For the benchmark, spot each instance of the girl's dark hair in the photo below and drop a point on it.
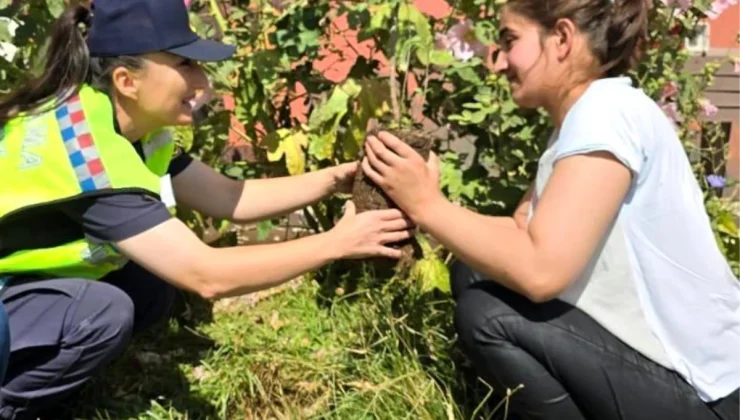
(68, 65)
(617, 29)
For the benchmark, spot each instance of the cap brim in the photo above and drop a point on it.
(205, 50)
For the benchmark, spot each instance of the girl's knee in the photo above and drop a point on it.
(461, 277)
(481, 318)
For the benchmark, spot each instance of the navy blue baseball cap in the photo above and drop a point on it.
(131, 27)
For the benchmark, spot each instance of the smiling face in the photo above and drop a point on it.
(160, 93)
(527, 58)
(167, 86)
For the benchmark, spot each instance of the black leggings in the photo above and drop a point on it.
(570, 367)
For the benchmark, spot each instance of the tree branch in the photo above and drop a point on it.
(393, 81)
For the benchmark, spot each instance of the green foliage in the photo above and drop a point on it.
(372, 355)
(462, 96)
(24, 26)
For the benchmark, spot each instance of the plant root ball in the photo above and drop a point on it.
(368, 196)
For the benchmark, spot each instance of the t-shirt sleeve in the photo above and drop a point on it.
(179, 163)
(117, 217)
(605, 126)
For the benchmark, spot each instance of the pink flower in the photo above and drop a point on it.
(719, 6)
(187, 3)
(671, 111)
(461, 41)
(441, 42)
(707, 107)
(669, 91)
(736, 62)
(670, 108)
(683, 4)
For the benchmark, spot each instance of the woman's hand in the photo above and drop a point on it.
(395, 167)
(344, 177)
(366, 234)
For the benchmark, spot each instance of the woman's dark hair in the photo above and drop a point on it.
(616, 29)
(68, 65)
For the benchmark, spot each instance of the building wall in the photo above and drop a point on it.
(723, 30)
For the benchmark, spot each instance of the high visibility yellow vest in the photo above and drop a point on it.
(64, 154)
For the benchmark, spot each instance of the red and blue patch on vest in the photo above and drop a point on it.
(81, 149)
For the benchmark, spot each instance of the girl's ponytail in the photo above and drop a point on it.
(625, 36)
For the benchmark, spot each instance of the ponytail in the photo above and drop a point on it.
(626, 35)
(65, 69)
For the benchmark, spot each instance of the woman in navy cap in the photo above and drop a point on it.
(89, 251)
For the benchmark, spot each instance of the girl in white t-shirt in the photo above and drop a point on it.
(605, 295)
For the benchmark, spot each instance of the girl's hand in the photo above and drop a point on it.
(395, 167)
(367, 234)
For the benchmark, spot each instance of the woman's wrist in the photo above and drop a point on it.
(424, 215)
(330, 244)
(339, 180)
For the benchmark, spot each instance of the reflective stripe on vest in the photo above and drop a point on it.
(158, 149)
(70, 152)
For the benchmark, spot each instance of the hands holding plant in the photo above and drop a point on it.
(402, 173)
(367, 234)
(409, 181)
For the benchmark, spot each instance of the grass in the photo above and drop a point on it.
(383, 353)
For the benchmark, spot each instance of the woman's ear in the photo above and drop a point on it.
(125, 82)
(564, 33)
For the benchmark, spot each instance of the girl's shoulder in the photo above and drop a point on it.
(614, 97)
(615, 105)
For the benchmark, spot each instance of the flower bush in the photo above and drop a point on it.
(442, 81)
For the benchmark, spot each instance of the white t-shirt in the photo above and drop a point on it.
(658, 280)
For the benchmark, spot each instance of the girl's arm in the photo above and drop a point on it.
(580, 202)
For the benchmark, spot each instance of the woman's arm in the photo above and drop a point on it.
(581, 200)
(174, 253)
(521, 214)
(203, 189)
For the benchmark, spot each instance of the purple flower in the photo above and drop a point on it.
(716, 181)
(461, 41)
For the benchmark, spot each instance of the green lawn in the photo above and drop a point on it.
(385, 353)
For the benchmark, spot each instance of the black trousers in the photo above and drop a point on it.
(63, 331)
(570, 367)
